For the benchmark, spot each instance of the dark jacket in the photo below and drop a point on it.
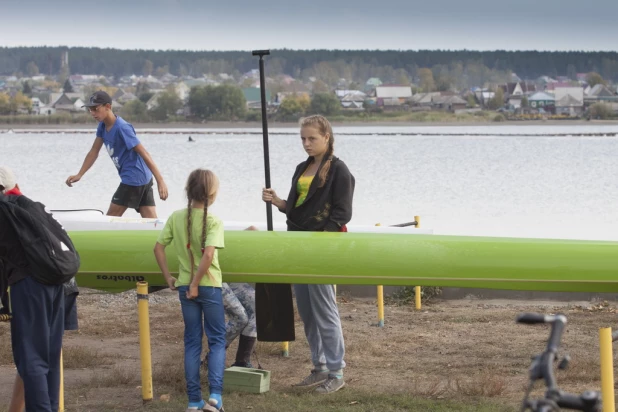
(13, 262)
(326, 208)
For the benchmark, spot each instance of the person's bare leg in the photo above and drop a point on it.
(18, 401)
(148, 211)
(116, 210)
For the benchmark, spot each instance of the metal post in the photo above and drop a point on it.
(380, 293)
(61, 392)
(285, 349)
(144, 340)
(607, 370)
(417, 289)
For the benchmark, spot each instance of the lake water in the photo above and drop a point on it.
(470, 180)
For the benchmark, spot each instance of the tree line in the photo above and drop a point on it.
(353, 65)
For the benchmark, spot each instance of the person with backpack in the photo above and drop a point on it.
(18, 401)
(36, 258)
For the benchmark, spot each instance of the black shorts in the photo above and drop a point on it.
(134, 197)
(70, 312)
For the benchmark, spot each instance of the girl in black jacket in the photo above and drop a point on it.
(320, 200)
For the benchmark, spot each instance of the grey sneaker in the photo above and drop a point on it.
(331, 385)
(314, 378)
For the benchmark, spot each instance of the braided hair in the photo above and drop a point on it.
(202, 186)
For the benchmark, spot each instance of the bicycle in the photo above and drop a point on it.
(542, 369)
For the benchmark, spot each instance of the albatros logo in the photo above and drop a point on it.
(116, 161)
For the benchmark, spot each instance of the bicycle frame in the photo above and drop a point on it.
(542, 368)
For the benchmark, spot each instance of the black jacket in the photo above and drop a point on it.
(13, 262)
(326, 208)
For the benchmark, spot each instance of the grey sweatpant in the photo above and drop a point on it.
(317, 306)
(239, 304)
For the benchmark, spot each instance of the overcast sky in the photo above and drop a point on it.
(313, 24)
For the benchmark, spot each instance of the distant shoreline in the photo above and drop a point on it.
(273, 125)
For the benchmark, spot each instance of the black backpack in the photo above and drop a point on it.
(52, 258)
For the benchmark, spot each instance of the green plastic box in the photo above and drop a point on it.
(246, 380)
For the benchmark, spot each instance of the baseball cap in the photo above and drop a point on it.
(98, 98)
(7, 178)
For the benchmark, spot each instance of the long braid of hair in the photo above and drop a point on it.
(203, 244)
(189, 235)
(327, 163)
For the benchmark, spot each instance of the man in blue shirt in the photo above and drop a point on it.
(135, 166)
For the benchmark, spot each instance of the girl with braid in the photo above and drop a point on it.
(196, 236)
(320, 200)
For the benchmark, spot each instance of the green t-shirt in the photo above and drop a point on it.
(175, 232)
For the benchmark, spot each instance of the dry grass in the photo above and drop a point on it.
(83, 357)
(117, 376)
(444, 358)
(6, 351)
(170, 374)
(486, 385)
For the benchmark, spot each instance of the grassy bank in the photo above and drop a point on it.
(342, 118)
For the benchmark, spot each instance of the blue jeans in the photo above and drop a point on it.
(208, 303)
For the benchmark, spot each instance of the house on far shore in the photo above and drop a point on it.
(253, 97)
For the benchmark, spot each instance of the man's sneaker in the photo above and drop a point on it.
(314, 378)
(332, 384)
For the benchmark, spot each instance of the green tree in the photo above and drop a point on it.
(471, 100)
(67, 87)
(5, 104)
(225, 102)
(326, 104)
(402, 77)
(497, 101)
(320, 87)
(293, 107)
(524, 102)
(32, 69)
(600, 111)
(145, 96)
(147, 68)
(162, 70)
(20, 101)
(63, 75)
(27, 90)
(135, 110)
(594, 78)
(426, 81)
(168, 103)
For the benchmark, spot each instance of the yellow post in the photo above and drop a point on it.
(607, 370)
(380, 305)
(285, 349)
(144, 340)
(61, 393)
(417, 289)
(380, 292)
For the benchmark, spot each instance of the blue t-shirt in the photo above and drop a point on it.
(120, 142)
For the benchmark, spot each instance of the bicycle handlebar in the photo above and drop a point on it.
(542, 368)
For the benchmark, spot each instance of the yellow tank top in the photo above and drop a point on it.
(302, 188)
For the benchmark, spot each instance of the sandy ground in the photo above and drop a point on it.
(463, 349)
